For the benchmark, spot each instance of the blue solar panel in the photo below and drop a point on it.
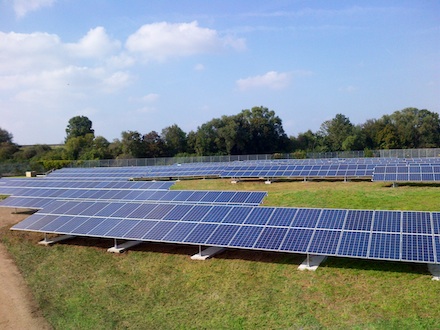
(222, 235)
(389, 235)
(201, 233)
(197, 213)
(436, 222)
(32, 220)
(306, 218)
(140, 229)
(282, 217)
(385, 246)
(246, 236)
(180, 231)
(271, 238)
(70, 225)
(216, 214)
(178, 212)
(237, 215)
(122, 228)
(354, 243)
(416, 222)
(108, 210)
(259, 216)
(332, 219)
(417, 248)
(387, 221)
(87, 226)
(105, 226)
(159, 212)
(358, 220)
(56, 223)
(297, 240)
(125, 210)
(159, 230)
(324, 242)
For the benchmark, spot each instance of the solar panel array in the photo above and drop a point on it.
(411, 173)
(37, 193)
(282, 168)
(300, 171)
(385, 235)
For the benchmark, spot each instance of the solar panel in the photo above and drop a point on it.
(35, 198)
(354, 243)
(386, 235)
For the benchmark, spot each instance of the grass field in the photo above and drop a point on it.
(157, 286)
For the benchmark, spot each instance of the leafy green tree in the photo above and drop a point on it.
(205, 139)
(79, 126)
(79, 147)
(32, 152)
(335, 132)
(261, 131)
(355, 141)
(153, 145)
(5, 136)
(7, 147)
(175, 140)
(132, 145)
(388, 137)
(307, 141)
(227, 135)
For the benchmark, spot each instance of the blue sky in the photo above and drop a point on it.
(145, 65)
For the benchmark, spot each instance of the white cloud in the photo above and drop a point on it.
(160, 41)
(95, 44)
(348, 89)
(149, 98)
(20, 52)
(271, 80)
(199, 67)
(22, 7)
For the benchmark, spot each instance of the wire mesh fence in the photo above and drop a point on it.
(11, 168)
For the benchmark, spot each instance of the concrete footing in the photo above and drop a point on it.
(208, 253)
(435, 271)
(49, 241)
(121, 248)
(312, 262)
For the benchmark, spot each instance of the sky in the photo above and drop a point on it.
(146, 65)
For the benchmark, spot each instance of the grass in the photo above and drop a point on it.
(156, 286)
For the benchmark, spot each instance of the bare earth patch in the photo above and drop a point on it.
(18, 309)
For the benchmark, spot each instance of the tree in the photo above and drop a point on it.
(175, 140)
(78, 147)
(7, 147)
(307, 141)
(259, 130)
(79, 126)
(5, 136)
(153, 145)
(335, 132)
(132, 146)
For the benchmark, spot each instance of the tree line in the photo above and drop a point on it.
(252, 131)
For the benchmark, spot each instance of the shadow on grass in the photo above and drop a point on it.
(377, 265)
(414, 184)
(258, 256)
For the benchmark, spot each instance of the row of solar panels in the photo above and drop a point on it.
(84, 184)
(414, 173)
(346, 168)
(39, 198)
(388, 235)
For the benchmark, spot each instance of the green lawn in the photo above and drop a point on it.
(157, 286)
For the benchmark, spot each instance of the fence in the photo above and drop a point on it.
(410, 153)
(9, 169)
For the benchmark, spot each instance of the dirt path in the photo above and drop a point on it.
(18, 309)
